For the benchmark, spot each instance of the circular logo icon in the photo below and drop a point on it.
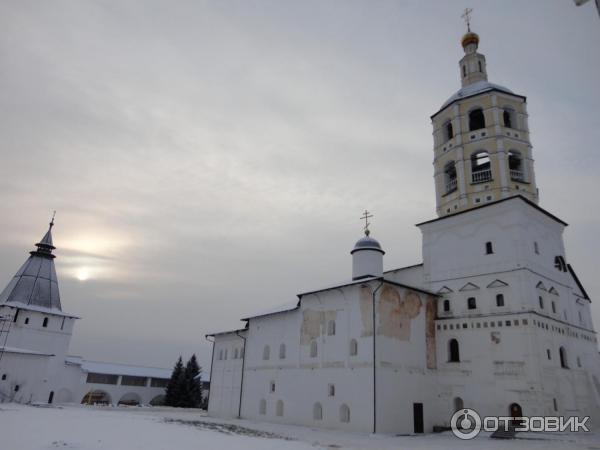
(465, 423)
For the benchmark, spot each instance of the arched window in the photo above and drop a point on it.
(279, 408)
(353, 347)
(480, 67)
(453, 353)
(344, 413)
(471, 303)
(481, 169)
(446, 305)
(541, 300)
(450, 179)
(515, 165)
(271, 386)
(458, 404)
(563, 358)
(45, 322)
(331, 328)
(266, 353)
(476, 119)
(448, 131)
(282, 351)
(507, 116)
(499, 300)
(553, 307)
(313, 349)
(548, 354)
(262, 407)
(464, 71)
(317, 411)
(489, 248)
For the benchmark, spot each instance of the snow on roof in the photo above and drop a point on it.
(23, 351)
(119, 369)
(473, 89)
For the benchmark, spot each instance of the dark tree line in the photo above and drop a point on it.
(185, 387)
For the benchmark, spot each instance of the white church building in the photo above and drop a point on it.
(493, 319)
(34, 339)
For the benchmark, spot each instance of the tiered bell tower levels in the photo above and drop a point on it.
(482, 151)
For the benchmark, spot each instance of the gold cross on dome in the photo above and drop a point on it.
(467, 17)
(366, 216)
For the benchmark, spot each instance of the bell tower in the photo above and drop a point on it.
(481, 146)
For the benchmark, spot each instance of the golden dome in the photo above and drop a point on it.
(469, 38)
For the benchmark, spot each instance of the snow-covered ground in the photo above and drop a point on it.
(105, 428)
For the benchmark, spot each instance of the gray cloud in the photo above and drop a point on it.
(209, 159)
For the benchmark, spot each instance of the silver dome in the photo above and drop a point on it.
(367, 243)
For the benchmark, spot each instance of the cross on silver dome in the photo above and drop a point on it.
(366, 216)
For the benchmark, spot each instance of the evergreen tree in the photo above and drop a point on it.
(175, 386)
(193, 391)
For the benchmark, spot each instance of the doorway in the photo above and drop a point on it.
(418, 417)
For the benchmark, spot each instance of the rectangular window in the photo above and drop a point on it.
(127, 380)
(159, 382)
(101, 378)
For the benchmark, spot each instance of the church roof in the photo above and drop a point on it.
(35, 283)
(479, 87)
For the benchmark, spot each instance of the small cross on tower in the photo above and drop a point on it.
(52, 221)
(467, 17)
(366, 216)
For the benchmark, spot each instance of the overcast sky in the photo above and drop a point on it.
(208, 160)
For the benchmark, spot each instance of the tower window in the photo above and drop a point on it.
(480, 68)
(489, 249)
(26, 320)
(3, 376)
(272, 386)
(450, 179)
(549, 354)
(471, 303)
(282, 351)
(536, 248)
(553, 307)
(541, 300)
(45, 322)
(464, 71)
(515, 166)
(446, 305)
(507, 116)
(481, 167)
(448, 131)
(476, 119)
(235, 353)
(353, 347)
(453, 352)
(500, 300)
(279, 408)
(262, 408)
(266, 353)
(313, 349)
(16, 316)
(331, 390)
